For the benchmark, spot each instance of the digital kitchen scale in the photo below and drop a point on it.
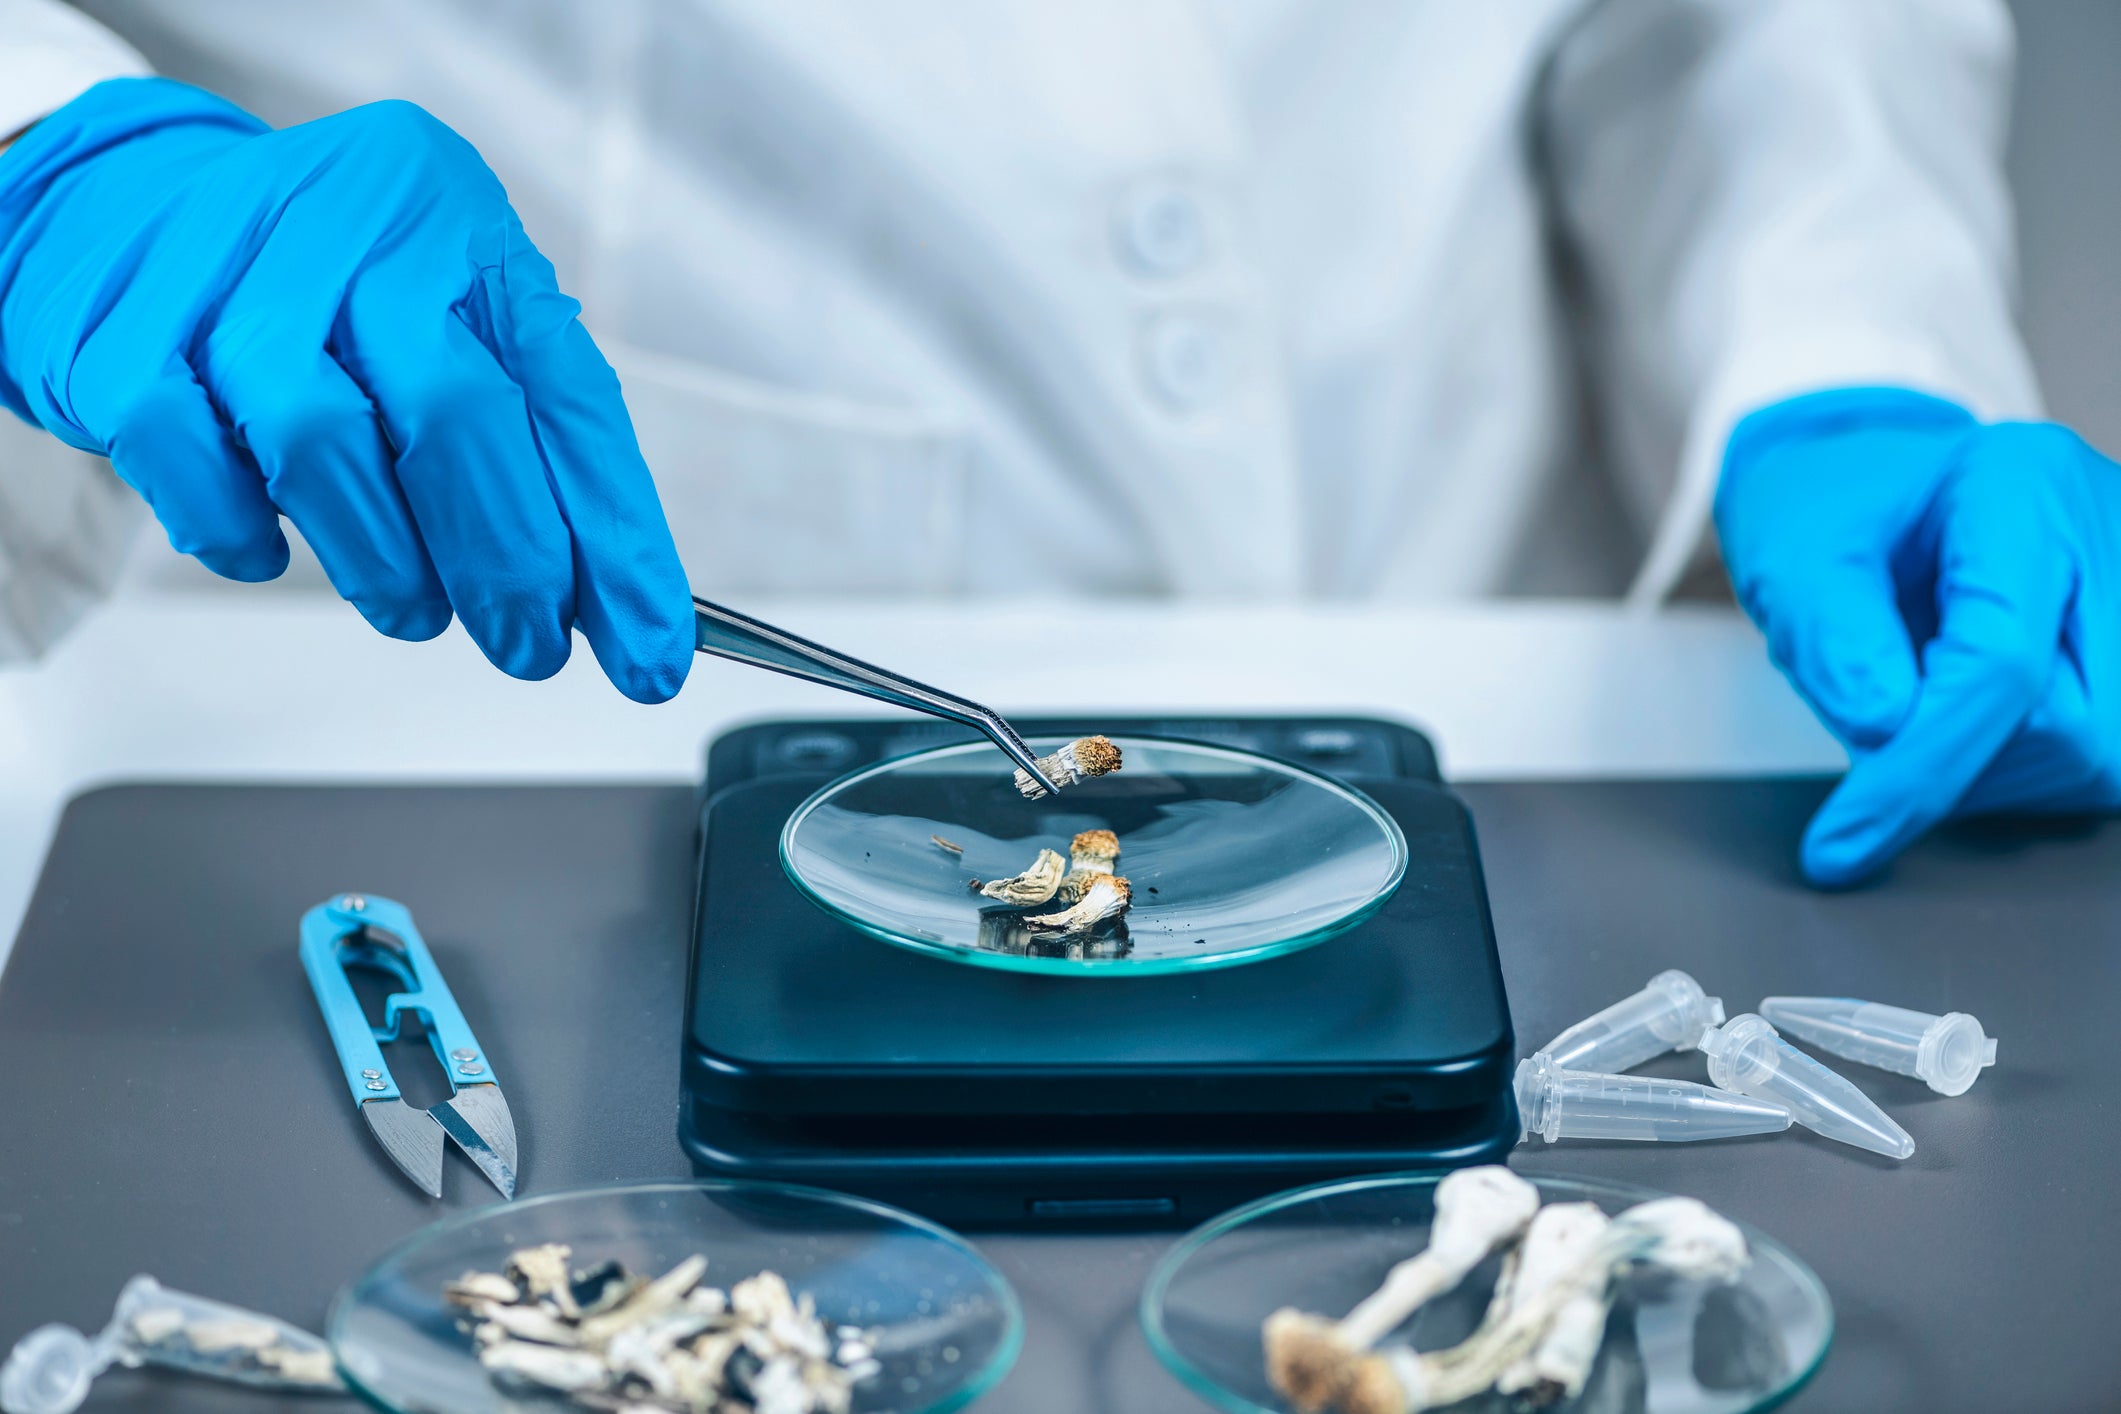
(816, 1054)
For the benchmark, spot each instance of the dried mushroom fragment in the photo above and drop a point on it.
(1034, 886)
(302, 1367)
(662, 1346)
(1543, 1326)
(1078, 760)
(1318, 1363)
(533, 1323)
(1092, 855)
(542, 1272)
(1105, 898)
(230, 1333)
(650, 1301)
(1560, 1364)
(156, 1324)
(762, 1299)
(568, 1371)
(600, 1288)
(474, 1287)
(1093, 852)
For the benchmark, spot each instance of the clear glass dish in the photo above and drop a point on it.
(1677, 1347)
(1232, 856)
(947, 1325)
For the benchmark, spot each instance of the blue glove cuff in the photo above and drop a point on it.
(1838, 411)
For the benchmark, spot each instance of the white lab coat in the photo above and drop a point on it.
(1252, 298)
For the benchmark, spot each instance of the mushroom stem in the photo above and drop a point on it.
(1316, 1362)
(1559, 1365)
(1106, 896)
(1092, 855)
(1477, 1211)
(1677, 1235)
(1079, 759)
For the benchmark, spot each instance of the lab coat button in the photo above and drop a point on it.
(1161, 232)
(1188, 362)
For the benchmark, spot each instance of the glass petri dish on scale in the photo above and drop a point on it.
(1671, 1346)
(944, 1324)
(1231, 856)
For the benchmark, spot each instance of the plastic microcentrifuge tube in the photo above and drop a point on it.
(1664, 1016)
(1747, 1056)
(1576, 1104)
(1945, 1052)
(50, 1369)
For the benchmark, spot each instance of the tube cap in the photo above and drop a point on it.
(1953, 1053)
(1693, 1009)
(48, 1372)
(1740, 1053)
(1536, 1112)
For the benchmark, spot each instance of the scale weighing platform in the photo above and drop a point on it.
(815, 1054)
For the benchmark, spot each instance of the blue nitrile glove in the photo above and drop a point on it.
(342, 323)
(1943, 593)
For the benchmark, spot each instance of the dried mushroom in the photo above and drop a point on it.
(1034, 886)
(157, 1324)
(569, 1371)
(1560, 1364)
(1078, 760)
(1544, 1322)
(616, 1341)
(1091, 893)
(1317, 1362)
(231, 1333)
(302, 1367)
(1106, 897)
(601, 1288)
(1093, 852)
(542, 1273)
(474, 1287)
(1092, 855)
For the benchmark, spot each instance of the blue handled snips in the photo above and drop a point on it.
(366, 931)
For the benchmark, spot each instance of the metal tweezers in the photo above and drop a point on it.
(725, 633)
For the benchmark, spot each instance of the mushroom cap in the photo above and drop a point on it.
(1306, 1358)
(1375, 1389)
(1095, 755)
(1094, 844)
(1034, 886)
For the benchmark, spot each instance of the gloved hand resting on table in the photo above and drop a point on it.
(1943, 593)
(343, 323)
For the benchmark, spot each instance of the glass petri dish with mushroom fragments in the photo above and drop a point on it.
(916, 1321)
(1188, 856)
(1670, 1345)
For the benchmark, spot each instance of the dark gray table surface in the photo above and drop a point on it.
(170, 1102)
